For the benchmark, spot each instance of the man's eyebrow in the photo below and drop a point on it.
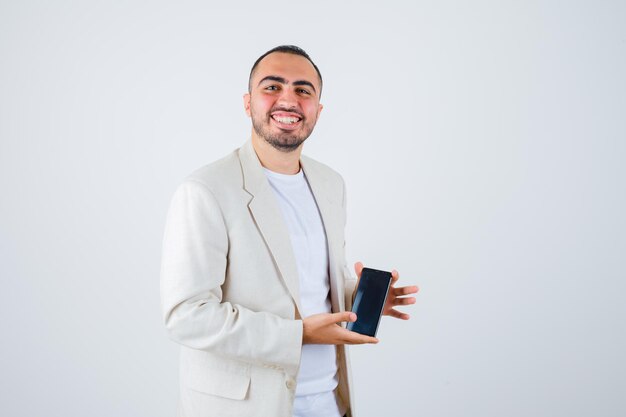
(304, 82)
(273, 78)
(283, 81)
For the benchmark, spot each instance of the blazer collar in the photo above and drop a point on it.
(269, 220)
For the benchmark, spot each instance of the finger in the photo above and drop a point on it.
(354, 338)
(413, 289)
(394, 276)
(358, 268)
(341, 317)
(397, 314)
(403, 301)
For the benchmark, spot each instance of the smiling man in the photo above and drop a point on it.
(254, 284)
(283, 121)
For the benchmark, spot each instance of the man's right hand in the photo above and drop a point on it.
(324, 329)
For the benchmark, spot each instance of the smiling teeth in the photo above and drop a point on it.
(286, 120)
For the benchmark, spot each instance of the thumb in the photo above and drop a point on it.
(343, 316)
(358, 268)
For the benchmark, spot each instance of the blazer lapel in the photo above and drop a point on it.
(269, 220)
(331, 212)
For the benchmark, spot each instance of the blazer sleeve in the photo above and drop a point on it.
(193, 269)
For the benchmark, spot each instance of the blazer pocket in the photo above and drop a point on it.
(223, 384)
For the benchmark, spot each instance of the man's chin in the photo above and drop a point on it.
(282, 141)
(285, 144)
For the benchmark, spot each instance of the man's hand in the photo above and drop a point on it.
(395, 295)
(325, 329)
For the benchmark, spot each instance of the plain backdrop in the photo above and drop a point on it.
(482, 143)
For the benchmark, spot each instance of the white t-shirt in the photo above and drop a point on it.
(318, 365)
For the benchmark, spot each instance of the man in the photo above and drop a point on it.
(254, 283)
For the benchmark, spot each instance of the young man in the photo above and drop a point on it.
(254, 284)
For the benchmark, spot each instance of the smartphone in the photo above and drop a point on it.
(369, 301)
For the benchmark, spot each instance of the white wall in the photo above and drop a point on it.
(483, 144)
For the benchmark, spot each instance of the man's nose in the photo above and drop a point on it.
(288, 99)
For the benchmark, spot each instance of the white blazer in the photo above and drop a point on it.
(229, 287)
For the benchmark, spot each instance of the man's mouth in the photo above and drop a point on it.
(286, 120)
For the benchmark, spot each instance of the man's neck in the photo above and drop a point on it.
(275, 160)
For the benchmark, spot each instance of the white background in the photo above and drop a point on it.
(483, 145)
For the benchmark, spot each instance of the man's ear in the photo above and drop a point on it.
(319, 109)
(246, 103)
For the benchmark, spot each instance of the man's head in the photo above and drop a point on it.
(287, 49)
(283, 97)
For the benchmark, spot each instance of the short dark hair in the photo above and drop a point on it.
(287, 49)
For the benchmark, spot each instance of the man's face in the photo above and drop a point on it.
(284, 100)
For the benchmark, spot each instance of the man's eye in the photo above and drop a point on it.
(271, 87)
(303, 91)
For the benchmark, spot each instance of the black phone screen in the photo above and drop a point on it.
(369, 301)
